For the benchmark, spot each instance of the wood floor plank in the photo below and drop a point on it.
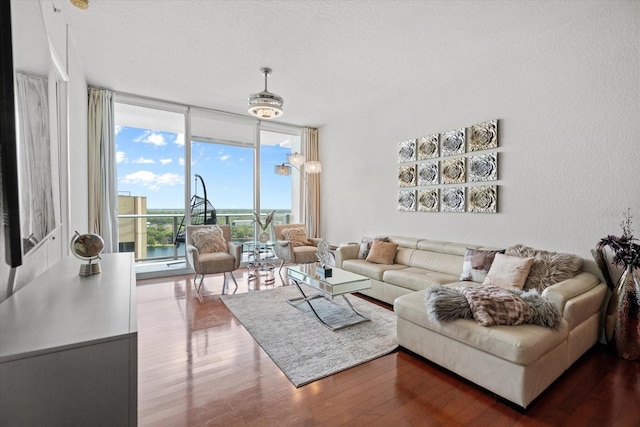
(198, 366)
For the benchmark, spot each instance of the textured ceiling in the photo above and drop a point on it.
(328, 57)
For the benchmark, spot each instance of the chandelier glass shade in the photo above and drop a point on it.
(265, 105)
(80, 4)
(282, 169)
(295, 159)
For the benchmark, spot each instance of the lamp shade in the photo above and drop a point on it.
(313, 167)
(282, 169)
(295, 159)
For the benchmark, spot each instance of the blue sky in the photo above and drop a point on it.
(151, 163)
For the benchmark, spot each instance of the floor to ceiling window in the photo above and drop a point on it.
(171, 158)
(150, 179)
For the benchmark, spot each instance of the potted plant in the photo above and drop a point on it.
(622, 325)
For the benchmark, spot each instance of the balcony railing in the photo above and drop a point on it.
(144, 233)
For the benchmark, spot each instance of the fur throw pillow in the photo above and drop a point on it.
(445, 304)
(548, 268)
(297, 236)
(209, 240)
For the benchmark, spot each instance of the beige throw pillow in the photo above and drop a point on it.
(297, 236)
(382, 252)
(548, 268)
(365, 245)
(508, 271)
(209, 240)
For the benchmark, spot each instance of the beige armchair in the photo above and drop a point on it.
(287, 252)
(213, 262)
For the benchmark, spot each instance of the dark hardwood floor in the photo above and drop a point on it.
(198, 366)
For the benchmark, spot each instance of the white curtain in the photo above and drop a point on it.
(103, 200)
(37, 216)
(312, 203)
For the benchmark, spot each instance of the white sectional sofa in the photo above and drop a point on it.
(515, 362)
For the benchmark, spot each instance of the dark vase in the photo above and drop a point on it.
(626, 330)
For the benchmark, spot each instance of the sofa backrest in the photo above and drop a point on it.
(443, 257)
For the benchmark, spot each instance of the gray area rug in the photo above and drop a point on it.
(300, 345)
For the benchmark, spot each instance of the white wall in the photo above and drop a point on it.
(568, 104)
(56, 246)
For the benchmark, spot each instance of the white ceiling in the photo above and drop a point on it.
(328, 57)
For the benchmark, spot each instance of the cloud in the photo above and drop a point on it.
(118, 129)
(166, 161)
(121, 156)
(153, 138)
(179, 139)
(144, 161)
(151, 180)
(225, 157)
(181, 161)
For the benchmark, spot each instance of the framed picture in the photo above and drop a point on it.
(428, 147)
(407, 200)
(452, 199)
(407, 176)
(407, 151)
(429, 200)
(452, 142)
(483, 199)
(428, 173)
(452, 171)
(483, 136)
(483, 167)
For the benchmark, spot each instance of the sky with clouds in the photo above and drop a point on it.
(151, 163)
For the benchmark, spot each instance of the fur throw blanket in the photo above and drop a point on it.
(490, 305)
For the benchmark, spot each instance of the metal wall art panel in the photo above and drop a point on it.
(428, 173)
(483, 167)
(483, 199)
(428, 147)
(407, 151)
(452, 199)
(429, 200)
(407, 176)
(452, 142)
(452, 171)
(407, 200)
(483, 136)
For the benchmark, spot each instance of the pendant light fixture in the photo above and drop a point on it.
(265, 105)
(80, 4)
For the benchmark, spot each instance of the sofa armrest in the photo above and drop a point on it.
(283, 250)
(235, 251)
(577, 298)
(192, 255)
(314, 241)
(346, 252)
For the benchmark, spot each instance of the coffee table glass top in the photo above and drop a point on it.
(341, 281)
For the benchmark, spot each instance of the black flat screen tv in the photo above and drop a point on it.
(8, 153)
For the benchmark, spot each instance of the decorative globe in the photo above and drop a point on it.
(87, 247)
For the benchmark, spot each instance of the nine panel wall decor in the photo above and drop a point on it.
(450, 170)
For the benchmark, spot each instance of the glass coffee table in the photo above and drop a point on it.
(340, 284)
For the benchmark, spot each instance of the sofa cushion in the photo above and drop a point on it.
(365, 245)
(548, 268)
(476, 264)
(508, 271)
(369, 269)
(416, 279)
(521, 344)
(297, 236)
(209, 240)
(382, 252)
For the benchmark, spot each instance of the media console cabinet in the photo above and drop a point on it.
(68, 347)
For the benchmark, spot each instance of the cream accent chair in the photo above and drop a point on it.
(215, 262)
(286, 252)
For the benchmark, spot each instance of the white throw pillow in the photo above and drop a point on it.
(508, 271)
